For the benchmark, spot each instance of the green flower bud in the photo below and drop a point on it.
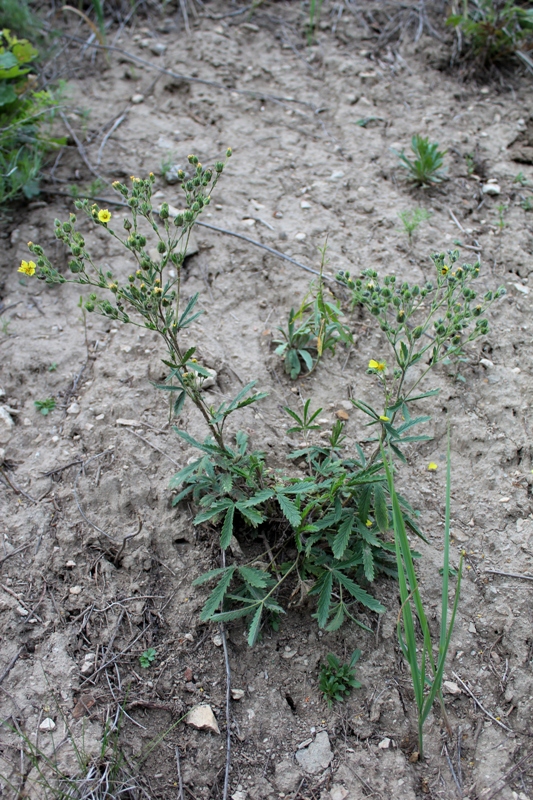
(400, 317)
(78, 204)
(195, 207)
(178, 221)
(161, 247)
(417, 333)
(163, 213)
(133, 202)
(189, 216)
(75, 266)
(75, 250)
(127, 225)
(229, 152)
(219, 167)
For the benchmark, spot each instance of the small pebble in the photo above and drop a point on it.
(158, 48)
(491, 189)
(73, 408)
(76, 590)
(137, 99)
(47, 724)
(305, 204)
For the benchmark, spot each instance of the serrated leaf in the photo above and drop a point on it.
(368, 563)
(183, 474)
(359, 594)
(229, 616)
(213, 511)
(253, 631)
(260, 497)
(227, 528)
(250, 514)
(380, 508)
(289, 510)
(337, 620)
(255, 577)
(217, 595)
(325, 586)
(179, 403)
(340, 542)
(212, 573)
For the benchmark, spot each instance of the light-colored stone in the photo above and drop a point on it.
(317, 756)
(2, 456)
(137, 99)
(129, 423)
(237, 694)
(239, 795)
(491, 189)
(300, 237)
(451, 688)
(217, 640)
(73, 408)
(384, 744)
(287, 777)
(6, 425)
(202, 718)
(47, 724)
(338, 792)
(75, 590)
(158, 48)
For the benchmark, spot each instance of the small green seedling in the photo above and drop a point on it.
(521, 179)
(502, 208)
(527, 204)
(45, 406)
(427, 166)
(411, 220)
(147, 658)
(52, 367)
(337, 680)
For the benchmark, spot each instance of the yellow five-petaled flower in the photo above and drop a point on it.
(379, 366)
(104, 215)
(383, 418)
(432, 466)
(27, 267)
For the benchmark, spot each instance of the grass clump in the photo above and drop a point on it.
(412, 219)
(494, 30)
(426, 168)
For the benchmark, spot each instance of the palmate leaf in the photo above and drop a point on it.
(183, 474)
(255, 577)
(250, 514)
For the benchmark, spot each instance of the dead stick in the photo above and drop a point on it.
(180, 781)
(81, 149)
(477, 702)
(14, 552)
(11, 664)
(510, 574)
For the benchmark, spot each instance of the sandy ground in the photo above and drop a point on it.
(76, 611)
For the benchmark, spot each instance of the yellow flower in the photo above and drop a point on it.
(27, 267)
(383, 418)
(368, 523)
(444, 270)
(377, 365)
(104, 215)
(432, 466)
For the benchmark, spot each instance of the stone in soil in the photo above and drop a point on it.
(203, 719)
(317, 756)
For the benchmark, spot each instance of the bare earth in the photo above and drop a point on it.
(303, 169)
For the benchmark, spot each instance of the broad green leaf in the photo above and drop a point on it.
(337, 620)
(179, 403)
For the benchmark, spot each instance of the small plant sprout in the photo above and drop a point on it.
(521, 179)
(45, 406)
(494, 30)
(427, 166)
(412, 219)
(527, 204)
(336, 679)
(502, 210)
(147, 658)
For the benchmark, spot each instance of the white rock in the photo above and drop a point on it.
(129, 423)
(76, 590)
(239, 795)
(249, 222)
(521, 288)
(486, 362)
(335, 176)
(70, 564)
(87, 668)
(2, 456)
(99, 417)
(22, 611)
(217, 640)
(300, 237)
(47, 724)
(158, 48)
(237, 694)
(6, 425)
(73, 408)
(305, 204)
(451, 688)
(491, 189)
(384, 744)
(205, 383)
(338, 792)
(90, 656)
(137, 99)
(202, 718)
(318, 756)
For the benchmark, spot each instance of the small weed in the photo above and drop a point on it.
(427, 166)
(502, 210)
(337, 680)
(412, 219)
(315, 7)
(147, 658)
(45, 406)
(521, 179)
(527, 204)
(52, 367)
(311, 331)
(4, 327)
(470, 163)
